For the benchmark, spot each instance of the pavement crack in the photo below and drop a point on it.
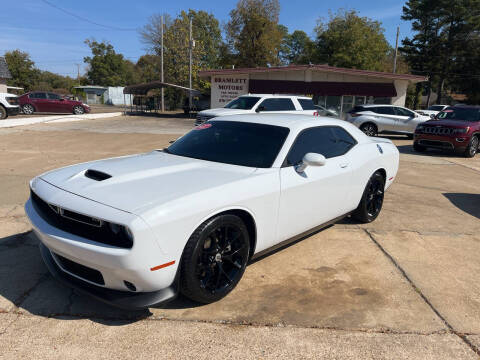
(462, 336)
(10, 324)
(27, 293)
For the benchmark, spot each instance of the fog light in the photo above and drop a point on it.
(460, 139)
(129, 285)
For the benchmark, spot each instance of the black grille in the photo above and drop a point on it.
(81, 225)
(97, 175)
(437, 130)
(80, 270)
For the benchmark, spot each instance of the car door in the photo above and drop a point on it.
(277, 105)
(385, 118)
(39, 101)
(320, 193)
(407, 120)
(57, 104)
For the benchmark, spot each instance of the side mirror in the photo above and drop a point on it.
(310, 159)
(260, 108)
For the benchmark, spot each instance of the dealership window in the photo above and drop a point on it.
(340, 104)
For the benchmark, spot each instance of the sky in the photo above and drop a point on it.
(53, 31)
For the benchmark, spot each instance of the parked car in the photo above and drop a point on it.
(456, 128)
(39, 101)
(386, 119)
(8, 105)
(258, 103)
(134, 231)
(432, 110)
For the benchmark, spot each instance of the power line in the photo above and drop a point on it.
(85, 19)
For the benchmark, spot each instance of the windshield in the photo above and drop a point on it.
(230, 142)
(243, 103)
(460, 114)
(436, 107)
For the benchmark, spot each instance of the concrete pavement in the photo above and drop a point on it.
(402, 287)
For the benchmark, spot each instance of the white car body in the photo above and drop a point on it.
(162, 198)
(432, 110)
(9, 105)
(206, 115)
(396, 119)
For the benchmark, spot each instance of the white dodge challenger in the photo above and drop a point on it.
(135, 231)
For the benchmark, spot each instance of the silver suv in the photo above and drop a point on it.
(387, 119)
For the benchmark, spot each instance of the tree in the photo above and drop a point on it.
(106, 67)
(206, 53)
(253, 34)
(348, 40)
(296, 48)
(22, 68)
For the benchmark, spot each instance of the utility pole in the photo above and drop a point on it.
(396, 51)
(161, 65)
(190, 47)
(78, 73)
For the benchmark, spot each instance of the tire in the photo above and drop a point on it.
(472, 147)
(28, 109)
(418, 148)
(369, 129)
(3, 113)
(214, 259)
(78, 110)
(372, 199)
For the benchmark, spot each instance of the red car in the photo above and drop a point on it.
(40, 101)
(457, 128)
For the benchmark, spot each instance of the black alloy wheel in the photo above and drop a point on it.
(215, 259)
(372, 199)
(369, 129)
(472, 147)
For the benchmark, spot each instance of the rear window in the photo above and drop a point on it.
(277, 104)
(357, 109)
(307, 104)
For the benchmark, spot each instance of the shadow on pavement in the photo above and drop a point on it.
(469, 203)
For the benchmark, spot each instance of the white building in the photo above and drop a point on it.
(335, 88)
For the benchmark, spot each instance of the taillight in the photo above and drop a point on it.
(316, 113)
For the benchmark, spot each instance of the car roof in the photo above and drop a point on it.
(278, 95)
(377, 105)
(291, 121)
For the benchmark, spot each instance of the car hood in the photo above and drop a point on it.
(223, 112)
(142, 181)
(452, 123)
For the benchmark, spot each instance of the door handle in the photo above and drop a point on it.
(344, 165)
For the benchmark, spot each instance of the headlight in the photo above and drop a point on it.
(419, 128)
(461, 131)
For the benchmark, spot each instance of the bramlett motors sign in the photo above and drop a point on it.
(226, 88)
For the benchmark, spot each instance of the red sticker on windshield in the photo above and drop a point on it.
(203, 127)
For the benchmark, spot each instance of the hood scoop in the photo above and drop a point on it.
(97, 175)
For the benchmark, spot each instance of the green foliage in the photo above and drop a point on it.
(206, 53)
(253, 35)
(348, 40)
(106, 67)
(296, 48)
(22, 68)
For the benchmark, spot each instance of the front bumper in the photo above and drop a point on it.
(451, 143)
(115, 266)
(13, 110)
(122, 299)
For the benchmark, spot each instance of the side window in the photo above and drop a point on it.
(385, 110)
(53, 96)
(38, 96)
(307, 104)
(330, 141)
(277, 104)
(403, 112)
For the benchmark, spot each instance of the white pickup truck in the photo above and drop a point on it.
(261, 103)
(8, 105)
